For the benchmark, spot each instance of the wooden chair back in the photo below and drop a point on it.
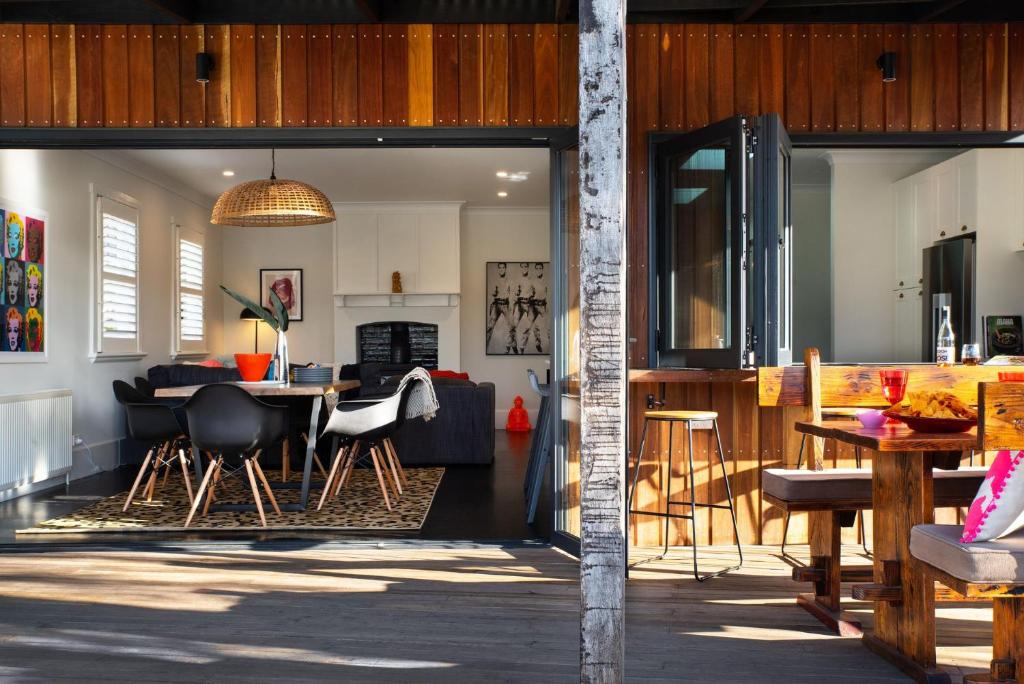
(1001, 415)
(859, 386)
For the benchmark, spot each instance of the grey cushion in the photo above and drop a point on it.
(997, 562)
(952, 487)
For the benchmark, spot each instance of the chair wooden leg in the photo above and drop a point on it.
(213, 486)
(346, 471)
(155, 471)
(286, 461)
(335, 467)
(397, 484)
(380, 479)
(184, 473)
(266, 486)
(169, 455)
(199, 495)
(255, 492)
(390, 446)
(316, 459)
(138, 479)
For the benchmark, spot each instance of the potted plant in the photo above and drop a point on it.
(277, 320)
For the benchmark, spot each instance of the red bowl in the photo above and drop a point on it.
(935, 425)
(253, 367)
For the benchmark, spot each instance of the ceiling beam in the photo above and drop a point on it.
(745, 13)
(368, 8)
(178, 11)
(938, 8)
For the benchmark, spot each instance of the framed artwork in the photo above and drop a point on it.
(518, 318)
(287, 283)
(22, 275)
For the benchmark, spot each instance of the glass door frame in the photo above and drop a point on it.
(560, 538)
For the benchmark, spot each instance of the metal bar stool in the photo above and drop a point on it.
(692, 420)
(831, 413)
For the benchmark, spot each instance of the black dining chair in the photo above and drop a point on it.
(369, 422)
(144, 387)
(156, 426)
(236, 427)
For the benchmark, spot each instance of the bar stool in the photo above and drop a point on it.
(691, 420)
(833, 413)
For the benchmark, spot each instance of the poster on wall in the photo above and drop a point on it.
(287, 283)
(518, 320)
(23, 271)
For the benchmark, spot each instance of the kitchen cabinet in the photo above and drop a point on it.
(956, 198)
(907, 313)
(908, 252)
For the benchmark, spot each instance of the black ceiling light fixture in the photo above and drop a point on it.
(886, 63)
(204, 65)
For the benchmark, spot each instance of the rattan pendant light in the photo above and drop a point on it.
(268, 203)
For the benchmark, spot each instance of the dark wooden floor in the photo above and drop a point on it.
(479, 503)
(413, 611)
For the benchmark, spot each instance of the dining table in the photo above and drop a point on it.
(902, 496)
(268, 391)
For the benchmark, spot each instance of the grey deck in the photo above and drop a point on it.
(410, 613)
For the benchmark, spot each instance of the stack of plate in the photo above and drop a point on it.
(321, 375)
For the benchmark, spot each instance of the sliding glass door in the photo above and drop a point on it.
(566, 348)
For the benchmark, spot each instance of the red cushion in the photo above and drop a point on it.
(449, 374)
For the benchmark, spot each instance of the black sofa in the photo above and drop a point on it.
(461, 433)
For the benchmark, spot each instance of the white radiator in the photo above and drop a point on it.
(35, 438)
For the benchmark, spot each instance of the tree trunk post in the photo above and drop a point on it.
(602, 126)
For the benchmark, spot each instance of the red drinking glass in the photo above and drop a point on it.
(1011, 376)
(894, 385)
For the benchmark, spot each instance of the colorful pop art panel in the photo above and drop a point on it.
(22, 282)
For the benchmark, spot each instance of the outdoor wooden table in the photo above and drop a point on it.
(902, 496)
(315, 390)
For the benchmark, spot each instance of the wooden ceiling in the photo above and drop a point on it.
(500, 11)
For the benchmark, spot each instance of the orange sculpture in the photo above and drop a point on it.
(518, 418)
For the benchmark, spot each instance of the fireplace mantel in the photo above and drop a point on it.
(412, 299)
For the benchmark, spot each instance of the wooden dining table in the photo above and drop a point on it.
(902, 496)
(270, 390)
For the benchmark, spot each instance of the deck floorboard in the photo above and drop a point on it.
(258, 612)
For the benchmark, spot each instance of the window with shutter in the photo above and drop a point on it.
(117, 287)
(189, 316)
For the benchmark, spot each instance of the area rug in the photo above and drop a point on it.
(359, 506)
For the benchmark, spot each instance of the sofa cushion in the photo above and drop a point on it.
(854, 485)
(1000, 561)
(998, 509)
(182, 374)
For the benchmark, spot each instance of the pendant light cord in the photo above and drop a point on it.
(273, 164)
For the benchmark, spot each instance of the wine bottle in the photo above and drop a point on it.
(945, 346)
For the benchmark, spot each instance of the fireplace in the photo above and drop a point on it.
(397, 342)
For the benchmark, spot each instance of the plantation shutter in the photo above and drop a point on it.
(190, 315)
(118, 286)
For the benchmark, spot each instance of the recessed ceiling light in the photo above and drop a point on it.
(228, 173)
(502, 174)
(518, 176)
(502, 193)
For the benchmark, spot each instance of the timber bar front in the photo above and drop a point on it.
(758, 410)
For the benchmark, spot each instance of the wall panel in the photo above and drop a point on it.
(243, 75)
(39, 88)
(319, 79)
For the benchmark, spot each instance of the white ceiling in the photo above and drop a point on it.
(365, 175)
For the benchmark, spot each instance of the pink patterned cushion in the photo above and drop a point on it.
(998, 509)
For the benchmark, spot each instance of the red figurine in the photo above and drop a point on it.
(518, 418)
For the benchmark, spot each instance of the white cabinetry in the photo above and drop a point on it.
(956, 201)
(911, 199)
(420, 241)
(907, 315)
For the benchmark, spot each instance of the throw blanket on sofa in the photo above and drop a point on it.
(422, 401)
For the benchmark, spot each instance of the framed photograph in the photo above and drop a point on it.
(22, 288)
(518, 316)
(287, 283)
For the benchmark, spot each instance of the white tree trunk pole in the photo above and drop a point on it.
(602, 124)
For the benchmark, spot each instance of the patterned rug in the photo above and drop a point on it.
(359, 506)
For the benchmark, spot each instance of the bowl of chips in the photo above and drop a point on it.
(934, 412)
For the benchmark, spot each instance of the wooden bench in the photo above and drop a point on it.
(832, 498)
(993, 569)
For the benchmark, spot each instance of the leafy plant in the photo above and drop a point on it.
(276, 319)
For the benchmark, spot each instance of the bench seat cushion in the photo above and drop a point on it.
(853, 485)
(995, 562)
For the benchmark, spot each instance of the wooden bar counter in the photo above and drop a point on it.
(733, 394)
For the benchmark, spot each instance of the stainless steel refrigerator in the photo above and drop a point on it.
(948, 280)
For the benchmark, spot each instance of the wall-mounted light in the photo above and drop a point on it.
(204, 65)
(886, 63)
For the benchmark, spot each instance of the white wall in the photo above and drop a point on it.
(58, 183)
(499, 234)
(863, 258)
(812, 257)
(246, 251)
